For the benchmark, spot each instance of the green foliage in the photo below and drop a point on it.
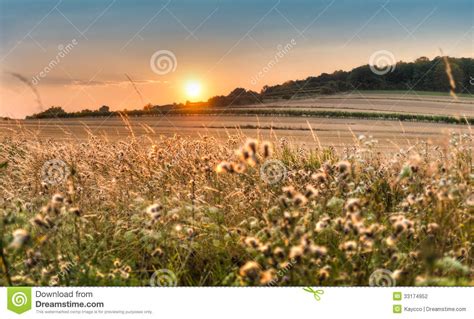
(421, 75)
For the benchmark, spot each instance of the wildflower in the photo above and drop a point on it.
(250, 270)
(75, 211)
(320, 225)
(20, 238)
(224, 167)
(267, 149)
(265, 250)
(311, 192)
(40, 221)
(57, 199)
(414, 162)
(267, 277)
(32, 258)
(398, 274)
(429, 191)
(414, 255)
(349, 246)
(124, 274)
(154, 211)
(296, 252)
(251, 145)
(289, 191)
(343, 168)
(371, 230)
(366, 243)
(399, 227)
(461, 254)
(411, 199)
(391, 241)
(237, 167)
(320, 178)
(318, 251)
(157, 252)
(339, 223)
(54, 281)
(300, 200)
(190, 231)
(433, 228)
(470, 200)
(279, 253)
(252, 242)
(353, 205)
(324, 273)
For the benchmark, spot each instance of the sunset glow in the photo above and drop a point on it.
(193, 90)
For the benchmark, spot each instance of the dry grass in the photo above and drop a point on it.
(209, 215)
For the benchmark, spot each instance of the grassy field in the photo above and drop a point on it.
(157, 210)
(271, 195)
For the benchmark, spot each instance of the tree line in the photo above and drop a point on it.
(421, 75)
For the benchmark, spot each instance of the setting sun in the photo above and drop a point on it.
(193, 90)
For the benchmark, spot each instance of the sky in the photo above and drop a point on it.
(82, 54)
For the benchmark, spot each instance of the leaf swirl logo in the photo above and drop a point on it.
(54, 172)
(382, 62)
(382, 278)
(163, 62)
(273, 171)
(163, 278)
(19, 299)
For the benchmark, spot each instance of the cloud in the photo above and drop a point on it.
(5, 78)
(110, 82)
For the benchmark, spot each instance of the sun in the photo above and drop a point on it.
(193, 89)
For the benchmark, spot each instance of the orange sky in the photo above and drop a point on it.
(210, 48)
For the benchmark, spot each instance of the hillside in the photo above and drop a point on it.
(422, 75)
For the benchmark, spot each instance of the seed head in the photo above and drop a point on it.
(20, 238)
(250, 270)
